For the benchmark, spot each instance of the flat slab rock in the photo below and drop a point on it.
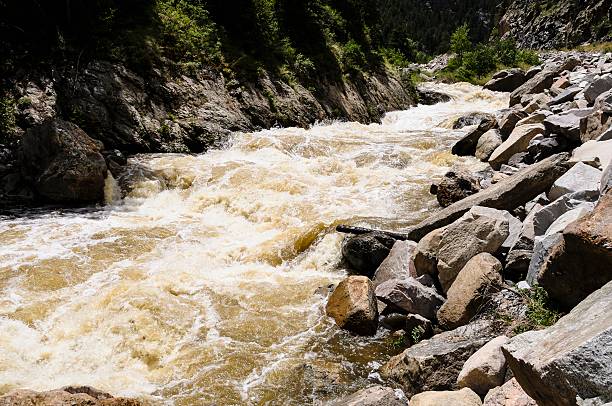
(571, 359)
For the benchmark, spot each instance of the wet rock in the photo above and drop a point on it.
(507, 194)
(68, 396)
(487, 143)
(426, 255)
(399, 263)
(597, 154)
(418, 326)
(580, 177)
(598, 86)
(485, 369)
(456, 185)
(472, 119)
(373, 396)
(366, 252)
(63, 163)
(508, 119)
(434, 364)
(353, 306)
(475, 283)
(509, 394)
(463, 397)
(481, 229)
(569, 360)
(581, 262)
(430, 97)
(467, 145)
(517, 142)
(543, 80)
(506, 80)
(393, 321)
(410, 296)
(321, 378)
(567, 123)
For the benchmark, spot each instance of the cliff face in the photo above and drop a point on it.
(544, 24)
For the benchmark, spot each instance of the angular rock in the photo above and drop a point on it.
(565, 96)
(567, 123)
(509, 394)
(426, 255)
(506, 81)
(535, 102)
(485, 369)
(392, 321)
(472, 119)
(373, 396)
(541, 147)
(430, 97)
(570, 359)
(582, 261)
(456, 185)
(481, 229)
(605, 183)
(434, 364)
(535, 118)
(475, 283)
(398, 264)
(467, 145)
(463, 397)
(508, 119)
(547, 215)
(410, 296)
(366, 252)
(68, 396)
(353, 306)
(597, 87)
(517, 142)
(597, 154)
(544, 247)
(519, 256)
(594, 125)
(580, 177)
(567, 218)
(63, 163)
(507, 194)
(487, 143)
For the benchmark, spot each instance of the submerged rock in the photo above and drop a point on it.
(353, 306)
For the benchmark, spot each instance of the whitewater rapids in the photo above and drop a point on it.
(199, 286)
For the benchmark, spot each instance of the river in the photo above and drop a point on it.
(202, 286)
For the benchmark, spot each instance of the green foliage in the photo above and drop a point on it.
(528, 57)
(506, 51)
(417, 334)
(480, 61)
(460, 41)
(540, 314)
(353, 58)
(399, 342)
(7, 119)
(394, 57)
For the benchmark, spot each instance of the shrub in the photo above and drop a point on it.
(528, 57)
(480, 61)
(506, 52)
(394, 57)
(353, 58)
(7, 119)
(460, 41)
(304, 68)
(540, 313)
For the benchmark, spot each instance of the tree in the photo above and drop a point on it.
(460, 41)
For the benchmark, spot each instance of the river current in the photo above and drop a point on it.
(207, 283)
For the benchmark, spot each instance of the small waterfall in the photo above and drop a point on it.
(112, 191)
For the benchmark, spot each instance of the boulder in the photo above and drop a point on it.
(580, 177)
(541, 147)
(508, 194)
(482, 229)
(434, 364)
(467, 145)
(474, 118)
(63, 163)
(426, 255)
(594, 125)
(485, 369)
(531, 72)
(605, 183)
(487, 143)
(543, 80)
(603, 101)
(353, 306)
(536, 117)
(543, 248)
(598, 86)
(373, 396)
(506, 80)
(365, 252)
(456, 185)
(508, 119)
(547, 215)
(398, 264)
(597, 154)
(68, 396)
(479, 278)
(430, 97)
(463, 397)
(567, 218)
(570, 360)
(582, 261)
(567, 123)
(509, 394)
(535, 102)
(418, 325)
(410, 296)
(561, 83)
(392, 321)
(517, 142)
(565, 96)
(519, 256)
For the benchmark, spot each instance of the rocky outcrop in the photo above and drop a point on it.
(463, 397)
(63, 163)
(353, 306)
(486, 368)
(364, 253)
(373, 396)
(569, 360)
(67, 396)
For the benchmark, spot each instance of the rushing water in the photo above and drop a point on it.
(200, 287)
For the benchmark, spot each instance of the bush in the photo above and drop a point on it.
(506, 52)
(353, 58)
(528, 57)
(7, 119)
(394, 57)
(304, 68)
(480, 61)
(460, 41)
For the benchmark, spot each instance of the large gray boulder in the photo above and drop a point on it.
(373, 396)
(467, 145)
(63, 163)
(565, 96)
(353, 306)
(567, 123)
(434, 364)
(570, 360)
(482, 229)
(594, 125)
(410, 296)
(597, 154)
(508, 194)
(506, 80)
(487, 143)
(399, 263)
(545, 216)
(517, 142)
(364, 253)
(598, 86)
(580, 177)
